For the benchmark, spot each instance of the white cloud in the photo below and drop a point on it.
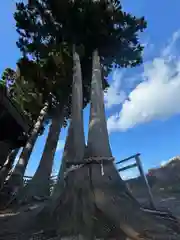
(60, 145)
(157, 96)
(114, 95)
(169, 49)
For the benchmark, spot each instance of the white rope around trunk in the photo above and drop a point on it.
(89, 160)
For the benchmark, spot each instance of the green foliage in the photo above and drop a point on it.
(2, 84)
(87, 24)
(49, 28)
(48, 79)
(23, 93)
(6, 78)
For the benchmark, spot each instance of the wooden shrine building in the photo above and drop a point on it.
(14, 127)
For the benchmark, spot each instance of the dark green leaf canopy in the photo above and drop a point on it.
(49, 28)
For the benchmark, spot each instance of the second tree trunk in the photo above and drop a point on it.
(16, 179)
(8, 166)
(39, 186)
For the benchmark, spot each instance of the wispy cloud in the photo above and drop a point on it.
(115, 95)
(60, 145)
(157, 96)
(168, 51)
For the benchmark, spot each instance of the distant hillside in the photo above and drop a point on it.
(168, 172)
(165, 179)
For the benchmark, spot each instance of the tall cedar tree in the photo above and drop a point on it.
(49, 28)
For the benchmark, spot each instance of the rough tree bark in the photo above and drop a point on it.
(111, 195)
(39, 186)
(16, 179)
(66, 155)
(73, 153)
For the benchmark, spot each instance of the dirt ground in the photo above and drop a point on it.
(164, 198)
(17, 219)
(10, 220)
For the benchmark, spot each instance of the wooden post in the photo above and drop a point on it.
(139, 165)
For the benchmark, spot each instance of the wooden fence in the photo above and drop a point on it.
(138, 164)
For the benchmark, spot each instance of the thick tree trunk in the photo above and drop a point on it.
(73, 151)
(111, 195)
(16, 179)
(66, 155)
(39, 186)
(8, 166)
(75, 142)
(98, 139)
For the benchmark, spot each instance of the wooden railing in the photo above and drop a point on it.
(138, 164)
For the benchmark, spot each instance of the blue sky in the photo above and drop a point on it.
(143, 104)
